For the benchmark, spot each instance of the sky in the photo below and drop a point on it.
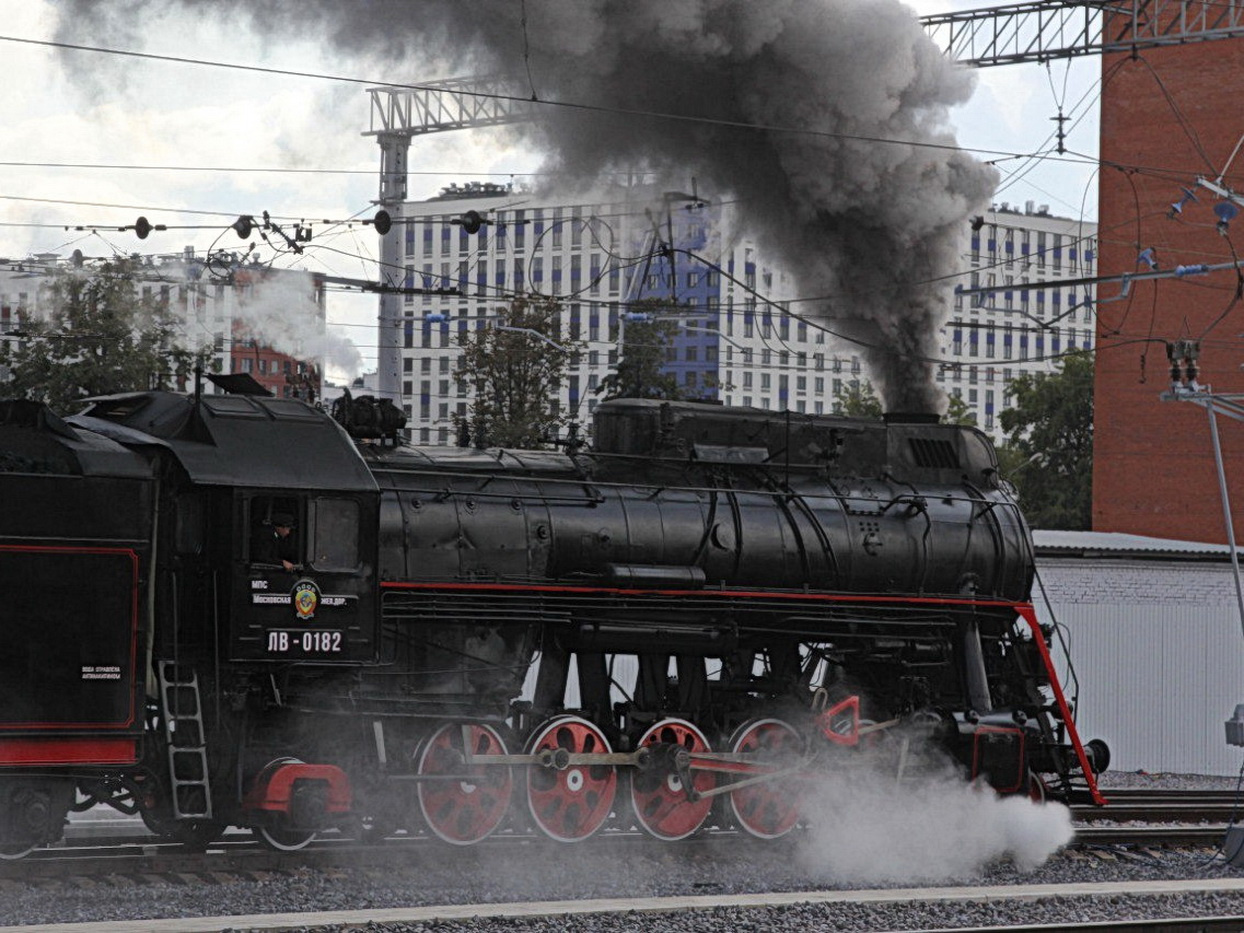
(204, 145)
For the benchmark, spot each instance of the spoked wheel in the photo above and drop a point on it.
(767, 809)
(283, 839)
(570, 803)
(657, 792)
(470, 805)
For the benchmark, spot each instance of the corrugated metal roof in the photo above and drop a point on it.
(1101, 543)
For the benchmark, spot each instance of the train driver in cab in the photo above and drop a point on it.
(280, 546)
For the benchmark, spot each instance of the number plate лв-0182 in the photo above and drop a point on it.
(304, 643)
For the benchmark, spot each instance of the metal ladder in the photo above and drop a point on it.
(184, 736)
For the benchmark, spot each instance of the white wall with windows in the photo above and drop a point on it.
(993, 338)
(598, 254)
(741, 344)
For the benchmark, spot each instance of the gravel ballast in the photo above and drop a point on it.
(526, 872)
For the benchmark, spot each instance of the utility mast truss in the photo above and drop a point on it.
(438, 106)
(1046, 29)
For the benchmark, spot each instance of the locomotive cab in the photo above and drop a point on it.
(303, 577)
(266, 598)
(235, 466)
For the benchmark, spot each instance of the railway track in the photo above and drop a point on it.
(1163, 806)
(105, 846)
(116, 854)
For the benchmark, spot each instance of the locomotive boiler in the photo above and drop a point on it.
(678, 627)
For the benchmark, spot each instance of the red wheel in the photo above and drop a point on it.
(767, 809)
(657, 792)
(570, 804)
(465, 809)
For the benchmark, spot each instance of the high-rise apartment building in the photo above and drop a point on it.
(735, 338)
(739, 336)
(1012, 327)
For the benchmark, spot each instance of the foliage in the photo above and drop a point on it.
(102, 336)
(958, 412)
(516, 368)
(639, 373)
(1049, 450)
(858, 400)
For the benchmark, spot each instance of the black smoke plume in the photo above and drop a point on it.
(869, 227)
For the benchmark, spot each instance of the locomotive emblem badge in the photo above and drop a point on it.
(306, 597)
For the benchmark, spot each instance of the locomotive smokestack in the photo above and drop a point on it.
(826, 121)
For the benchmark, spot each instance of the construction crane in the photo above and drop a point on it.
(398, 114)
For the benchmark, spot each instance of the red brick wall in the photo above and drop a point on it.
(1153, 471)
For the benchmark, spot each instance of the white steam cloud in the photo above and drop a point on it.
(827, 119)
(868, 828)
(280, 311)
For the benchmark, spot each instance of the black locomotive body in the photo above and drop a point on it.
(707, 607)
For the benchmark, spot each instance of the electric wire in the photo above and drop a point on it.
(495, 96)
(510, 98)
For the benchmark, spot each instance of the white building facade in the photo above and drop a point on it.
(994, 337)
(205, 308)
(737, 341)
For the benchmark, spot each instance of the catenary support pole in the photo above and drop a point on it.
(1226, 508)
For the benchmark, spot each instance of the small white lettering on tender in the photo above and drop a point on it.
(106, 672)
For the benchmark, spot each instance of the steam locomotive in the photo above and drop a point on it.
(679, 627)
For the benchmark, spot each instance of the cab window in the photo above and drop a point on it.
(334, 534)
(275, 530)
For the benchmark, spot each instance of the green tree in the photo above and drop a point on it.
(102, 336)
(516, 368)
(858, 400)
(1049, 446)
(642, 356)
(958, 412)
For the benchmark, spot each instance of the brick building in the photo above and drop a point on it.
(1169, 118)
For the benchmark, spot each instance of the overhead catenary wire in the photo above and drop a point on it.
(759, 297)
(806, 299)
(493, 95)
(590, 223)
